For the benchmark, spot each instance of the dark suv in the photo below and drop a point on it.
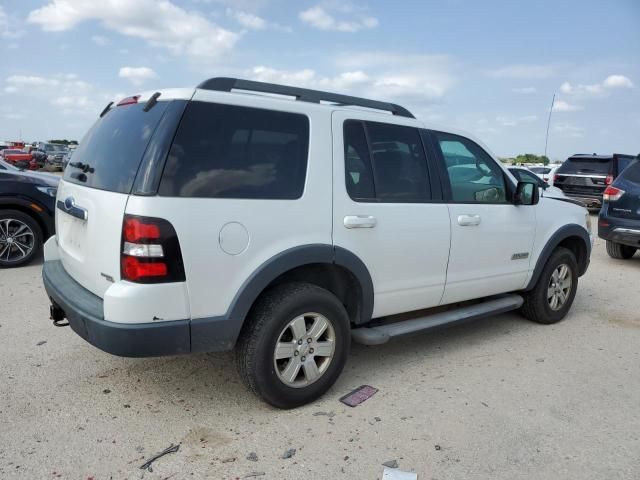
(585, 177)
(619, 222)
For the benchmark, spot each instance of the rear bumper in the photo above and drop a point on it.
(85, 313)
(588, 200)
(622, 231)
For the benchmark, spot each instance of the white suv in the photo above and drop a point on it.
(283, 222)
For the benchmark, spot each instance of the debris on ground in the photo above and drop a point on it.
(228, 460)
(255, 474)
(327, 414)
(359, 395)
(438, 447)
(106, 390)
(171, 449)
(41, 342)
(289, 453)
(377, 419)
(395, 474)
(391, 464)
(253, 457)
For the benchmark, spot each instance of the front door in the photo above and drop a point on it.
(491, 238)
(384, 210)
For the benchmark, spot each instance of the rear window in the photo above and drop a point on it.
(110, 153)
(540, 170)
(226, 151)
(586, 166)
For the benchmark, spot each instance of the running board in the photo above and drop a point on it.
(383, 333)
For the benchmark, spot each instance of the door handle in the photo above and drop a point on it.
(359, 221)
(468, 220)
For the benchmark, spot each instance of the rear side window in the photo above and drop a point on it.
(586, 166)
(226, 151)
(109, 155)
(632, 173)
(390, 167)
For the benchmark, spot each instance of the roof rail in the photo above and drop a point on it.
(227, 84)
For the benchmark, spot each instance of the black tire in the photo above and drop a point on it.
(621, 252)
(37, 234)
(536, 305)
(268, 317)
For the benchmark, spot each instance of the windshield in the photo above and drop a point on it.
(110, 153)
(586, 166)
(11, 152)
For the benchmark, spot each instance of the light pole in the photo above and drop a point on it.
(546, 140)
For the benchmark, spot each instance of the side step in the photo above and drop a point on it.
(383, 333)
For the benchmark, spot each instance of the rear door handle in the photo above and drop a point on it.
(359, 221)
(468, 220)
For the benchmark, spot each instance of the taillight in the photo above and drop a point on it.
(611, 194)
(608, 180)
(556, 178)
(150, 251)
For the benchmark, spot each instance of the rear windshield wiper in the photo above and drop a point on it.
(85, 167)
(153, 99)
(106, 109)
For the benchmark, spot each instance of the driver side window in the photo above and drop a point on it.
(473, 174)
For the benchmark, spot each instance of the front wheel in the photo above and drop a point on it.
(552, 297)
(621, 252)
(294, 345)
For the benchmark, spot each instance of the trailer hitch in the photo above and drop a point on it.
(58, 316)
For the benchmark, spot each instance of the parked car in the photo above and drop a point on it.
(545, 173)
(19, 158)
(619, 221)
(54, 154)
(523, 174)
(27, 206)
(585, 177)
(286, 221)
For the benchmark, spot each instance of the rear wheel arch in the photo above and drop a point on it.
(335, 269)
(573, 237)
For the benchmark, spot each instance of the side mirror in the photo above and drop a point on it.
(527, 193)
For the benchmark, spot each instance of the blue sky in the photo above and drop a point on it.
(487, 67)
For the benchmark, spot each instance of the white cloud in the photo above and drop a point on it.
(319, 18)
(100, 40)
(527, 71)
(562, 106)
(525, 90)
(414, 80)
(597, 89)
(617, 81)
(65, 91)
(247, 20)
(137, 75)
(568, 130)
(507, 121)
(160, 23)
(10, 28)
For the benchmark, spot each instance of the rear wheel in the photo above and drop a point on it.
(20, 238)
(623, 252)
(294, 345)
(552, 297)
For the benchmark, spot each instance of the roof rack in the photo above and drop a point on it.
(227, 84)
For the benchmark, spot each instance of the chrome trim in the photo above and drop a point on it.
(629, 231)
(580, 175)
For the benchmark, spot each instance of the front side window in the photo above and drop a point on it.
(473, 174)
(226, 151)
(385, 163)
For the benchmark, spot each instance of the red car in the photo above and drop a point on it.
(19, 158)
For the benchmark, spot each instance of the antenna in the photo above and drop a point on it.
(546, 140)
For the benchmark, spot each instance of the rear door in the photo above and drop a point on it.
(583, 176)
(93, 193)
(491, 239)
(388, 211)
(628, 205)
